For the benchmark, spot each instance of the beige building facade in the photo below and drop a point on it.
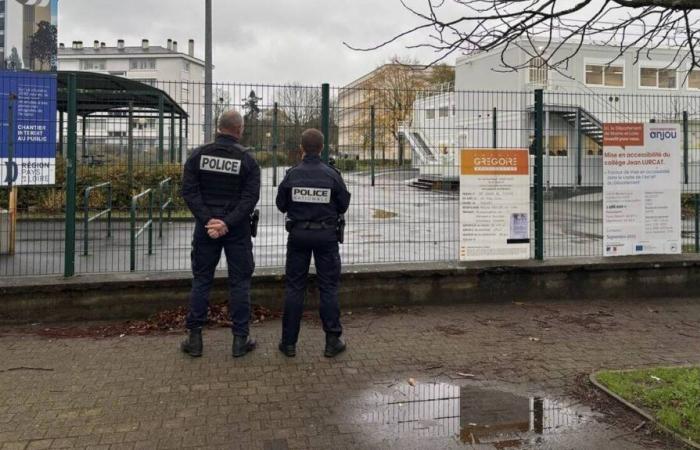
(391, 89)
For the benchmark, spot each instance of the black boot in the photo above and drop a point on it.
(241, 346)
(334, 346)
(289, 350)
(193, 344)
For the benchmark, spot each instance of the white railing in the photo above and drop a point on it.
(432, 91)
(601, 100)
(419, 149)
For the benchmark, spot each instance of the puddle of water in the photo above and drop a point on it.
(469, 414)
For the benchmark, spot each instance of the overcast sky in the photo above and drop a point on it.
(266, 41)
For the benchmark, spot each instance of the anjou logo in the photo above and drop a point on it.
(662, 135)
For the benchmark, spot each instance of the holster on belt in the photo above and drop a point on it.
(340, 229)
(289, 225)
(254, 220)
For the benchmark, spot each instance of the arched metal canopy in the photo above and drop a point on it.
(101, 93)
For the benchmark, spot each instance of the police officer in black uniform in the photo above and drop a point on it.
(314, 196)
(221, 186)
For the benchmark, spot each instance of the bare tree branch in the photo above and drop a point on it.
(552, 30)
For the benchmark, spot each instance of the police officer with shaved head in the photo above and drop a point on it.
(221, 186)
(314, 197)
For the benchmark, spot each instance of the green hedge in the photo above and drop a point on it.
(51, 199)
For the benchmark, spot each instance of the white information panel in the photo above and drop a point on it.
(642, 188)
(494, 202)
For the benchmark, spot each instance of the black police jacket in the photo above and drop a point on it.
(313, 191)
(221, 180)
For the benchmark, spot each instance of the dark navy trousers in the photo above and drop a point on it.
(206, 252)
(302, 244)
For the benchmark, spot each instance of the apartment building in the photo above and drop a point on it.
(178, 73)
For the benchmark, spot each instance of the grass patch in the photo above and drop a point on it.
(672, 396)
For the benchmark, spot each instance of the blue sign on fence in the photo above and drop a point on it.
(27, 128)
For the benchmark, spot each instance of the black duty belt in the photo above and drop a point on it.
(307, 225)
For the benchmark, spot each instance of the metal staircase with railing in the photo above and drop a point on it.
(418, 144)
(578, 118)
(586, 122)
(426, 156)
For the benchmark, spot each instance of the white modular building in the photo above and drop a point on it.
(490, 107)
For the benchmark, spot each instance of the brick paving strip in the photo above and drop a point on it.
(139, 392)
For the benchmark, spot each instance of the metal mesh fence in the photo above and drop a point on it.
(573, 163)
(398, 150)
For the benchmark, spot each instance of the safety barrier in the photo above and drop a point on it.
(86, 213)
(148, 225)
(164, 204)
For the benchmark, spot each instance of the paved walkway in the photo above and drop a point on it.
(474, 376)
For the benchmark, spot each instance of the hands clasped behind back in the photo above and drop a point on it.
(216, 228)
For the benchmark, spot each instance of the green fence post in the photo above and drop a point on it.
(274, 144)
(109, 210)
(130, 148)
(84, 146)
(86, 221)
(371, 142)
(60, 133)
(495, 129)
(685, 147)
(579, 148)
(69, 260)
(161, 129)
(132, 240)
(325, 119)
(539, 175)
(172, 138)
(150, 221)
(697, 223)
(179, 153)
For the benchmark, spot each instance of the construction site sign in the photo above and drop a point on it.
(494, 202)
(641, 188)
(28, 128)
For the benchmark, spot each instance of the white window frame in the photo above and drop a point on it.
(84, 63)
(604, 63)
(529, 69)
(140, 69)
(583, 147)
(657, 66)
(688, 70)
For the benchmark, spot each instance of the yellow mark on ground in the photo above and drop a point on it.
(383, 214)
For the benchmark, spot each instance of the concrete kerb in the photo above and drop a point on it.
(643, 413)
(138, 295)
